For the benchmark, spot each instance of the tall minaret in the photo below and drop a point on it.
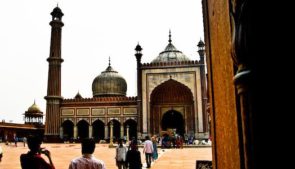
(201, 51)
(53, 98)
(138, 56)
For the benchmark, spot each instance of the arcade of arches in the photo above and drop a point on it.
(98, 130)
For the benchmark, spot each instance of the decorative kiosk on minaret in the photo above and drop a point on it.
(34, 115)
(54, 97)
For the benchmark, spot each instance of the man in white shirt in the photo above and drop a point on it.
(87, 160)
(121, 152)
(148, 150)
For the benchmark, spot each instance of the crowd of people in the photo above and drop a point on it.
(169, 142)
(33, 159)
(14, 140)
(127, 156)
(130, 157)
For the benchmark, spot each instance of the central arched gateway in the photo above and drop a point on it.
(173, 120)
(172, 106)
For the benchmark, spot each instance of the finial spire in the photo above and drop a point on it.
(138, 47)
(34, 101)
(109, 61)
(169, 36)
(138, 53)
(57, 4)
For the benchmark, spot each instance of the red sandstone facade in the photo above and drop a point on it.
(171, 95)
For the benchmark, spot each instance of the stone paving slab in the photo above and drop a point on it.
(63, 153)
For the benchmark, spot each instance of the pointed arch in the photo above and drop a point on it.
(68, 129)
(172, 119)
(132, 125)
(172, 95)
(171, 91)
(116, 129)
(83, 129)
(98, 130)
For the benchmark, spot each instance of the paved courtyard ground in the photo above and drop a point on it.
(63, 153)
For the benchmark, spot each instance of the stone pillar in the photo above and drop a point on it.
(226, 147)
(111, 133)
(122, 130)
(75, 132)
(127, 133)
(106, 132)
(90, 131)
(61, 132)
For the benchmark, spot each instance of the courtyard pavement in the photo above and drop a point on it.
(63, 153)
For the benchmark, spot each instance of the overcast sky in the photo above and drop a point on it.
(94, 31)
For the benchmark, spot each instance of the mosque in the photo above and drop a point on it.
(171, 95)
(244, 111)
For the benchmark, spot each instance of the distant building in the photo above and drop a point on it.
(171, 95)
(33, 118)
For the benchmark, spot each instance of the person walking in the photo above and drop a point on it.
(1, 153)
(148, 151)
(132, 141)
(121, 152)
(155, 148)
(133, 157)
(87, 161)
(15, 139)
(33, 159)
(24, 141)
